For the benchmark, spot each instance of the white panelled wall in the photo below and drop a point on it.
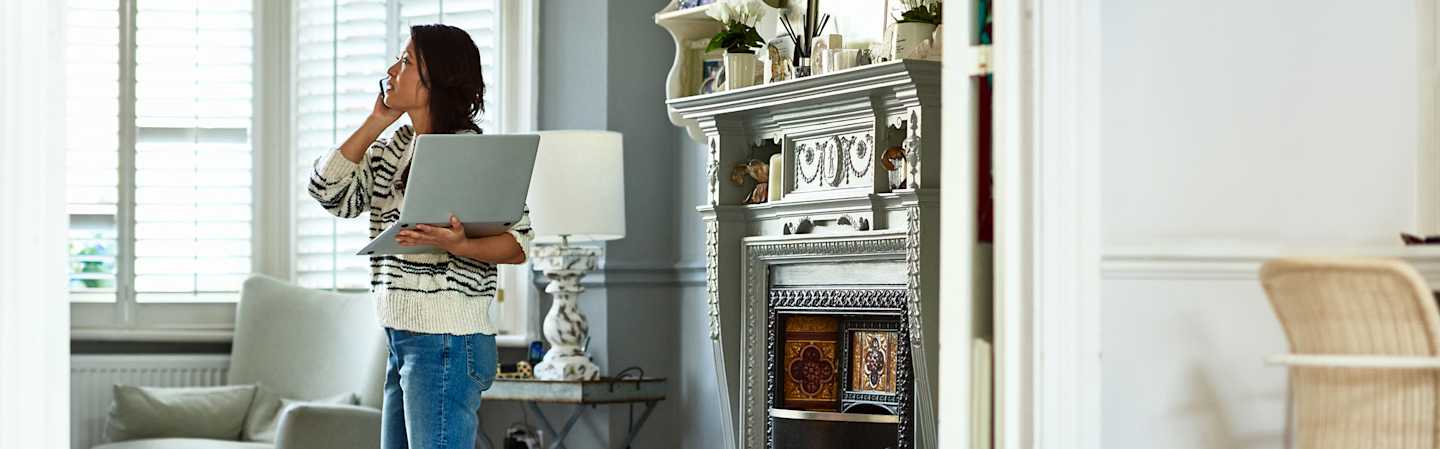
(1231, 132)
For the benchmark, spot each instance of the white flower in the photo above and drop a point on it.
(727, 12)
(720, 12)
(750, 11)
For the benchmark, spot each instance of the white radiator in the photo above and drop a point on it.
(92, 377)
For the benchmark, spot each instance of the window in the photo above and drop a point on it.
(343, 48)
(159, 155)
(159, 163)
(179, 171)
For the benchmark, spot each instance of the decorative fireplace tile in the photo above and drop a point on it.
(872, 365)
(811, 369)
(876, 366)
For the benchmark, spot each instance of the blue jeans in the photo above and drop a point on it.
(432, 389)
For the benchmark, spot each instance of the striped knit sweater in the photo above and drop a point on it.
(430, 293)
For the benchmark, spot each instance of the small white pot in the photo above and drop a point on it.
(739, 70)
(909, 37)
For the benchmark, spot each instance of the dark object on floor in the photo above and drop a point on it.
(521, 436)
(1411, 239)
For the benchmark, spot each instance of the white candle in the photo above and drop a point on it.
(777, 172)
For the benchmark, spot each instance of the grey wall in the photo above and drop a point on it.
(702, 424)
(602, 66)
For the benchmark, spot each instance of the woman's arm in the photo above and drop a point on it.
(381, 116)
(497, 249)
(342, 179)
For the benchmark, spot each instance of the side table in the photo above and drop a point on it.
(583, 394)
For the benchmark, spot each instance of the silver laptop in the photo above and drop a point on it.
(481, 179)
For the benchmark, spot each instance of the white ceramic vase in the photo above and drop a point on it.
(910, 36)
(739, 70)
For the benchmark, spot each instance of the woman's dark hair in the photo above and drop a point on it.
(451, 71)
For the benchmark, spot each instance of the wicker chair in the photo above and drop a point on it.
(1364, 352)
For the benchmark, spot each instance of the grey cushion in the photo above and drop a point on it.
(183, 443)
(269, 405)
(305, 343)
(188, 412)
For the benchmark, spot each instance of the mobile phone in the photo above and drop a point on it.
(382, 93)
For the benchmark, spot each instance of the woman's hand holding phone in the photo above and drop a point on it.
(381, 117)
(382, 112)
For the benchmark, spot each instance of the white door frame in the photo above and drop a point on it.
(1047, 209)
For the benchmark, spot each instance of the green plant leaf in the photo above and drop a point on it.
(930, 14)
(736, 38)
(716, 42)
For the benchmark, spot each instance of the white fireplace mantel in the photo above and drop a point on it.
(840, 205)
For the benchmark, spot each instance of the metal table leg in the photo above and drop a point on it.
(631, 432)
(545, 423)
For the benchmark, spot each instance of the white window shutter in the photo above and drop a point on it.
(92, 150)
(342, 56)
(193, 158)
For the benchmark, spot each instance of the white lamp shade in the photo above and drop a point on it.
(578, 188)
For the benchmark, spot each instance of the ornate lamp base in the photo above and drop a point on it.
(565, 327)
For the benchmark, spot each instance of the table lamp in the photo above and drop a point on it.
(577, 194)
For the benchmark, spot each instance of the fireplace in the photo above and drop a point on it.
(822, 303)
(838, 366)
(830, 346)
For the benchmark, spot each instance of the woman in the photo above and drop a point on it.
(433, 306)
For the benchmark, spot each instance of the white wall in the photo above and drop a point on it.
(1232, 131)
(1280, 120)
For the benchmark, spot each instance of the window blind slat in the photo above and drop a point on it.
(92, 77)
(193, 161)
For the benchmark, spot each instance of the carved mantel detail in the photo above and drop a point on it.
(912, 147)
(912, 273)
(832, 162)
(712, 171)
(712, 271)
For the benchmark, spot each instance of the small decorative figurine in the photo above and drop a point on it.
(757, 171)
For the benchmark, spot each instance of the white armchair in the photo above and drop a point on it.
(303, 344)
(1365, 352)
